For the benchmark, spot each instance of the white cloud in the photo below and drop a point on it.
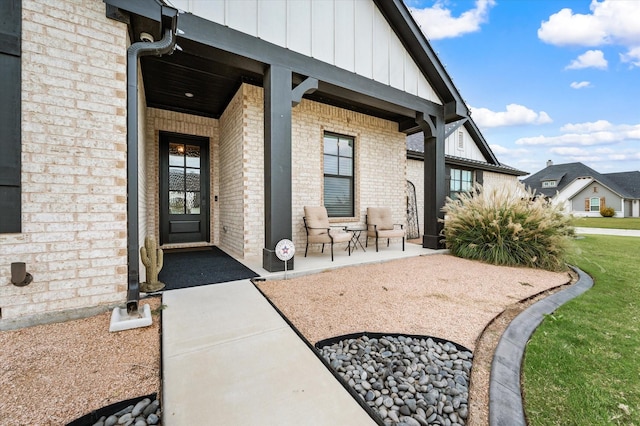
(589, 59)
(438, 23)
(565, 28)
(610, 22)
(580, 85)
(632, 57)
(588, 127)
(514, 115)
(596, 133)
(580, 139)
(627, 156)
(502, 150)
(590, 155)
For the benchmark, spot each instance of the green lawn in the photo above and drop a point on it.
(582, 365)
(608, 222)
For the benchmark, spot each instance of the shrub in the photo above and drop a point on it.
(507, 226)
(607, 212)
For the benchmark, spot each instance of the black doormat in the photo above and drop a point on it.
(209, 265)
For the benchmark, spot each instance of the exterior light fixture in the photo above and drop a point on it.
(188, 94)
(146, 37)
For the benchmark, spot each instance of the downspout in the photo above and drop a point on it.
(134, 52)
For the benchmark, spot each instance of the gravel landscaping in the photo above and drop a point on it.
(56, 373)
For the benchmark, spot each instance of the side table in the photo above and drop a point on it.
(355, 239)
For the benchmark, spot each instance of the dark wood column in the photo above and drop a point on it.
(434, 179)
(277, 164)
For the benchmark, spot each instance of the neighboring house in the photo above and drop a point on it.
(468, 160)
(216, 126)
(583, 191)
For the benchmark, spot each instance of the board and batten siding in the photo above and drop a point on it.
(350, 34)
(468, 149)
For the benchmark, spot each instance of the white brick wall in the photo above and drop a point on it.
(380, 157)
(498, 180)
(231, 223)
(74, 161)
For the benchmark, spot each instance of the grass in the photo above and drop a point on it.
(582, 365)
(608, 222)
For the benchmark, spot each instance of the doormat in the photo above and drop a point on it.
(191, 268)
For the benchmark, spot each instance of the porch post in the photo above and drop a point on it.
(434, 179)
(277, 164)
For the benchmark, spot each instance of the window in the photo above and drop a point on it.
(338, 175)
(460, 181)
(549, 184)
(594, 204)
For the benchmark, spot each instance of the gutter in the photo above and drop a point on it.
(166, 45)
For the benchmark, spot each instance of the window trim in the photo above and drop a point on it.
(351, 178)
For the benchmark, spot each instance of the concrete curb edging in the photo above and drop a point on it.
(505, 397)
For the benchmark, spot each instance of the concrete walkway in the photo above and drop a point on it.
(229, 358)
(606, 231)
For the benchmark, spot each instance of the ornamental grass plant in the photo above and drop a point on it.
(507, 226)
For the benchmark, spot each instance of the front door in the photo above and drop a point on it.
(184, 188)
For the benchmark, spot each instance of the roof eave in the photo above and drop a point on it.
(416, 43)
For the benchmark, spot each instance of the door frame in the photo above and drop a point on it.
(205, 178)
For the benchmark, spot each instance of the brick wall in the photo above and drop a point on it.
(380, 166)
(73, 162)
(253, 170)
(497, 180)
(231, 162)
(380, 162)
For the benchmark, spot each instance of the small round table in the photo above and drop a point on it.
(355, 239)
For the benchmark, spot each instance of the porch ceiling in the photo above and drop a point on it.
(213, 82)
(213, 76)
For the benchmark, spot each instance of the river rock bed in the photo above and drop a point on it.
(409, 381)
(144, 413)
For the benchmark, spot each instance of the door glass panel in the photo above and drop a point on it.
(176, 202)
(176, 179)
(193, 156)
(176, 154)
(193, 202)
(193, 180)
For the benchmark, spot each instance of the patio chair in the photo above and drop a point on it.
(316, 223)
(380, 225)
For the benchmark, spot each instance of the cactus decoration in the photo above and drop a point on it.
(152, 258)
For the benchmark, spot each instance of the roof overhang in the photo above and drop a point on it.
(215, 60)
(471, 164)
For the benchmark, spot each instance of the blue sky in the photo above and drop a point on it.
(545, 79)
